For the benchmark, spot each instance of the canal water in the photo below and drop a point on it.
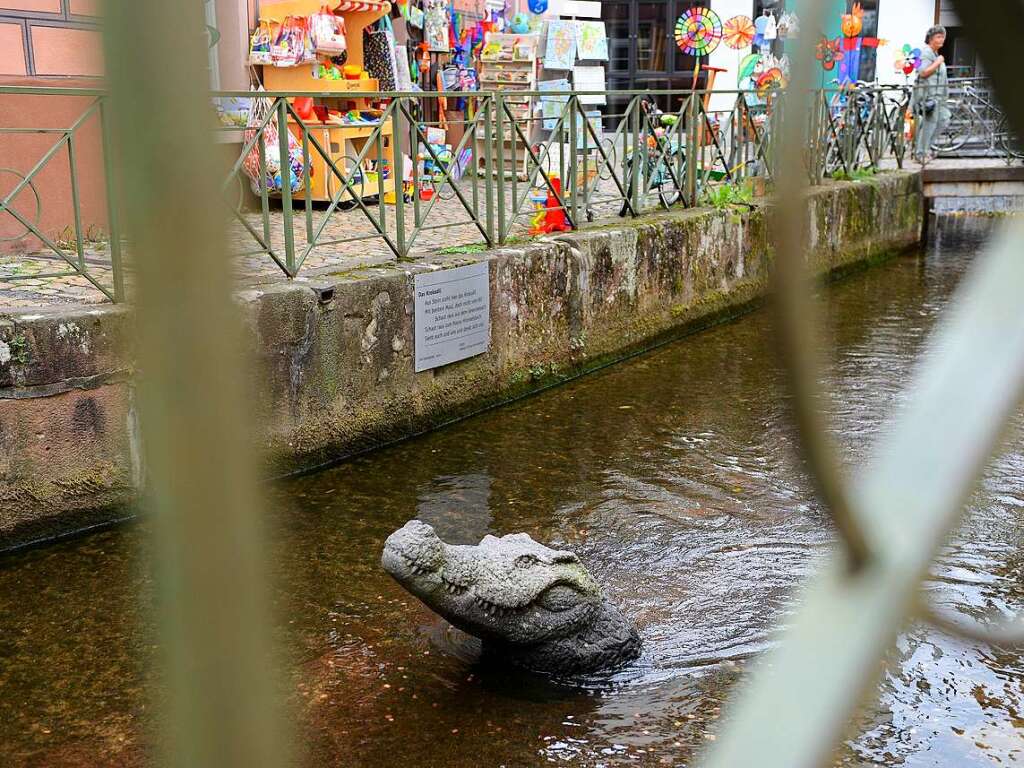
(673, 476)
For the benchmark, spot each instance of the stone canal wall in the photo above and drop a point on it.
(334, 354)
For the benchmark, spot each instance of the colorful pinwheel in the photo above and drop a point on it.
(908, 60)
(829, 53)
(738, 32)
(699, 31)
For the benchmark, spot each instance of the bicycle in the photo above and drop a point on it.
(663, 158)
(972, 116)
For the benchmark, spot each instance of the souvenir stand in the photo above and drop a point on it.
(344, 139)
(508, 64)
(574, 55)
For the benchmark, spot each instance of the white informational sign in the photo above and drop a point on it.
(453, 315)
(589, 79)
(575, 9)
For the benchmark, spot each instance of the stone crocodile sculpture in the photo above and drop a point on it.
(532, 606)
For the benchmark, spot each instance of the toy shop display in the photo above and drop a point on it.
(591, 41)
(334, 48)
(508, 63)
(561, 47)
(379, 55)
(738, 32)
(436, 30)
(844, 52)
(908, 60)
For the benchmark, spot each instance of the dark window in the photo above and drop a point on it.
(869, 56)
(620, 39)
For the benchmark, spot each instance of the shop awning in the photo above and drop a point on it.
(362, 5)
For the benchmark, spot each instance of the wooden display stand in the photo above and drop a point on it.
(509, 65)
(342, 142)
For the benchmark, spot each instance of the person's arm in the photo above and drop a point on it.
(932, 68)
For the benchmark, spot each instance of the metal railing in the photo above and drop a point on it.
(381, 183)
(977, 126)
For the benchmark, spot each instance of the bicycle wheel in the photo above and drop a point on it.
(1009, 141)
(833, 158)
(606, 162)
(667, 189)
(445, 188)
(350, 169)
(959, 130)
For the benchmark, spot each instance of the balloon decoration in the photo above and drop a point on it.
(520, 24)
(699, 31)
(738, 32)
(538, 6)
(908, 60)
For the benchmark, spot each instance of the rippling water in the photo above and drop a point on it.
(675, 479)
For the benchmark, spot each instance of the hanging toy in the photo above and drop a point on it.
(852, 26)
(908, 60)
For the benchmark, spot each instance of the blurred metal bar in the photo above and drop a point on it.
(908, 499)
(192, 397)
(911, 496)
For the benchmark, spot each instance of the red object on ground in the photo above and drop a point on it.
(554, 219)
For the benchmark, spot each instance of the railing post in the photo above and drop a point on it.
(286, 186)
(500, 180)
(692, 151)
(307, 183)
(113, 212)
(633, 165)
(569, 185)
(399, 178)
(489, 166)
(76, 203)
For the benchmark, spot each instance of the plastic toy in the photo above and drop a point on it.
(554, 218)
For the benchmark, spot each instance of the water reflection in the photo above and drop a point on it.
(675, 479)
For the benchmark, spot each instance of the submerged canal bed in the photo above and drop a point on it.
(675, 479)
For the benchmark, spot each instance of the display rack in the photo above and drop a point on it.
(509, 64)
(343, 142)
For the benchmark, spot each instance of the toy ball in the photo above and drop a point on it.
(538, 6)
(520, 24)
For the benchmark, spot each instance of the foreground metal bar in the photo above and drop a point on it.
(193, 404)
(910, 498)
(904, 504)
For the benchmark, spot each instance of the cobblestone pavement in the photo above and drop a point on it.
(346, 240)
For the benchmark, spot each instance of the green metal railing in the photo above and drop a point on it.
(642, 150)
(67, 142)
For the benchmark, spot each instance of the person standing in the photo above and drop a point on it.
(931, 95)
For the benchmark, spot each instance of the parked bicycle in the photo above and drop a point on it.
(663, 158)
(977, 121)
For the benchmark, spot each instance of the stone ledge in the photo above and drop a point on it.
(334, 353)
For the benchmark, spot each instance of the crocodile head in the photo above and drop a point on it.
(509, 589)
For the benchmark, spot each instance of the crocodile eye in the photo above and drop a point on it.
(526, 561)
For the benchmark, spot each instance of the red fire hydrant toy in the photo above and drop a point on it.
(555, 219)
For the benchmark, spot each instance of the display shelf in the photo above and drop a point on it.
(508, 65)
(358, 16)
(340, 141)
(344, 143)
